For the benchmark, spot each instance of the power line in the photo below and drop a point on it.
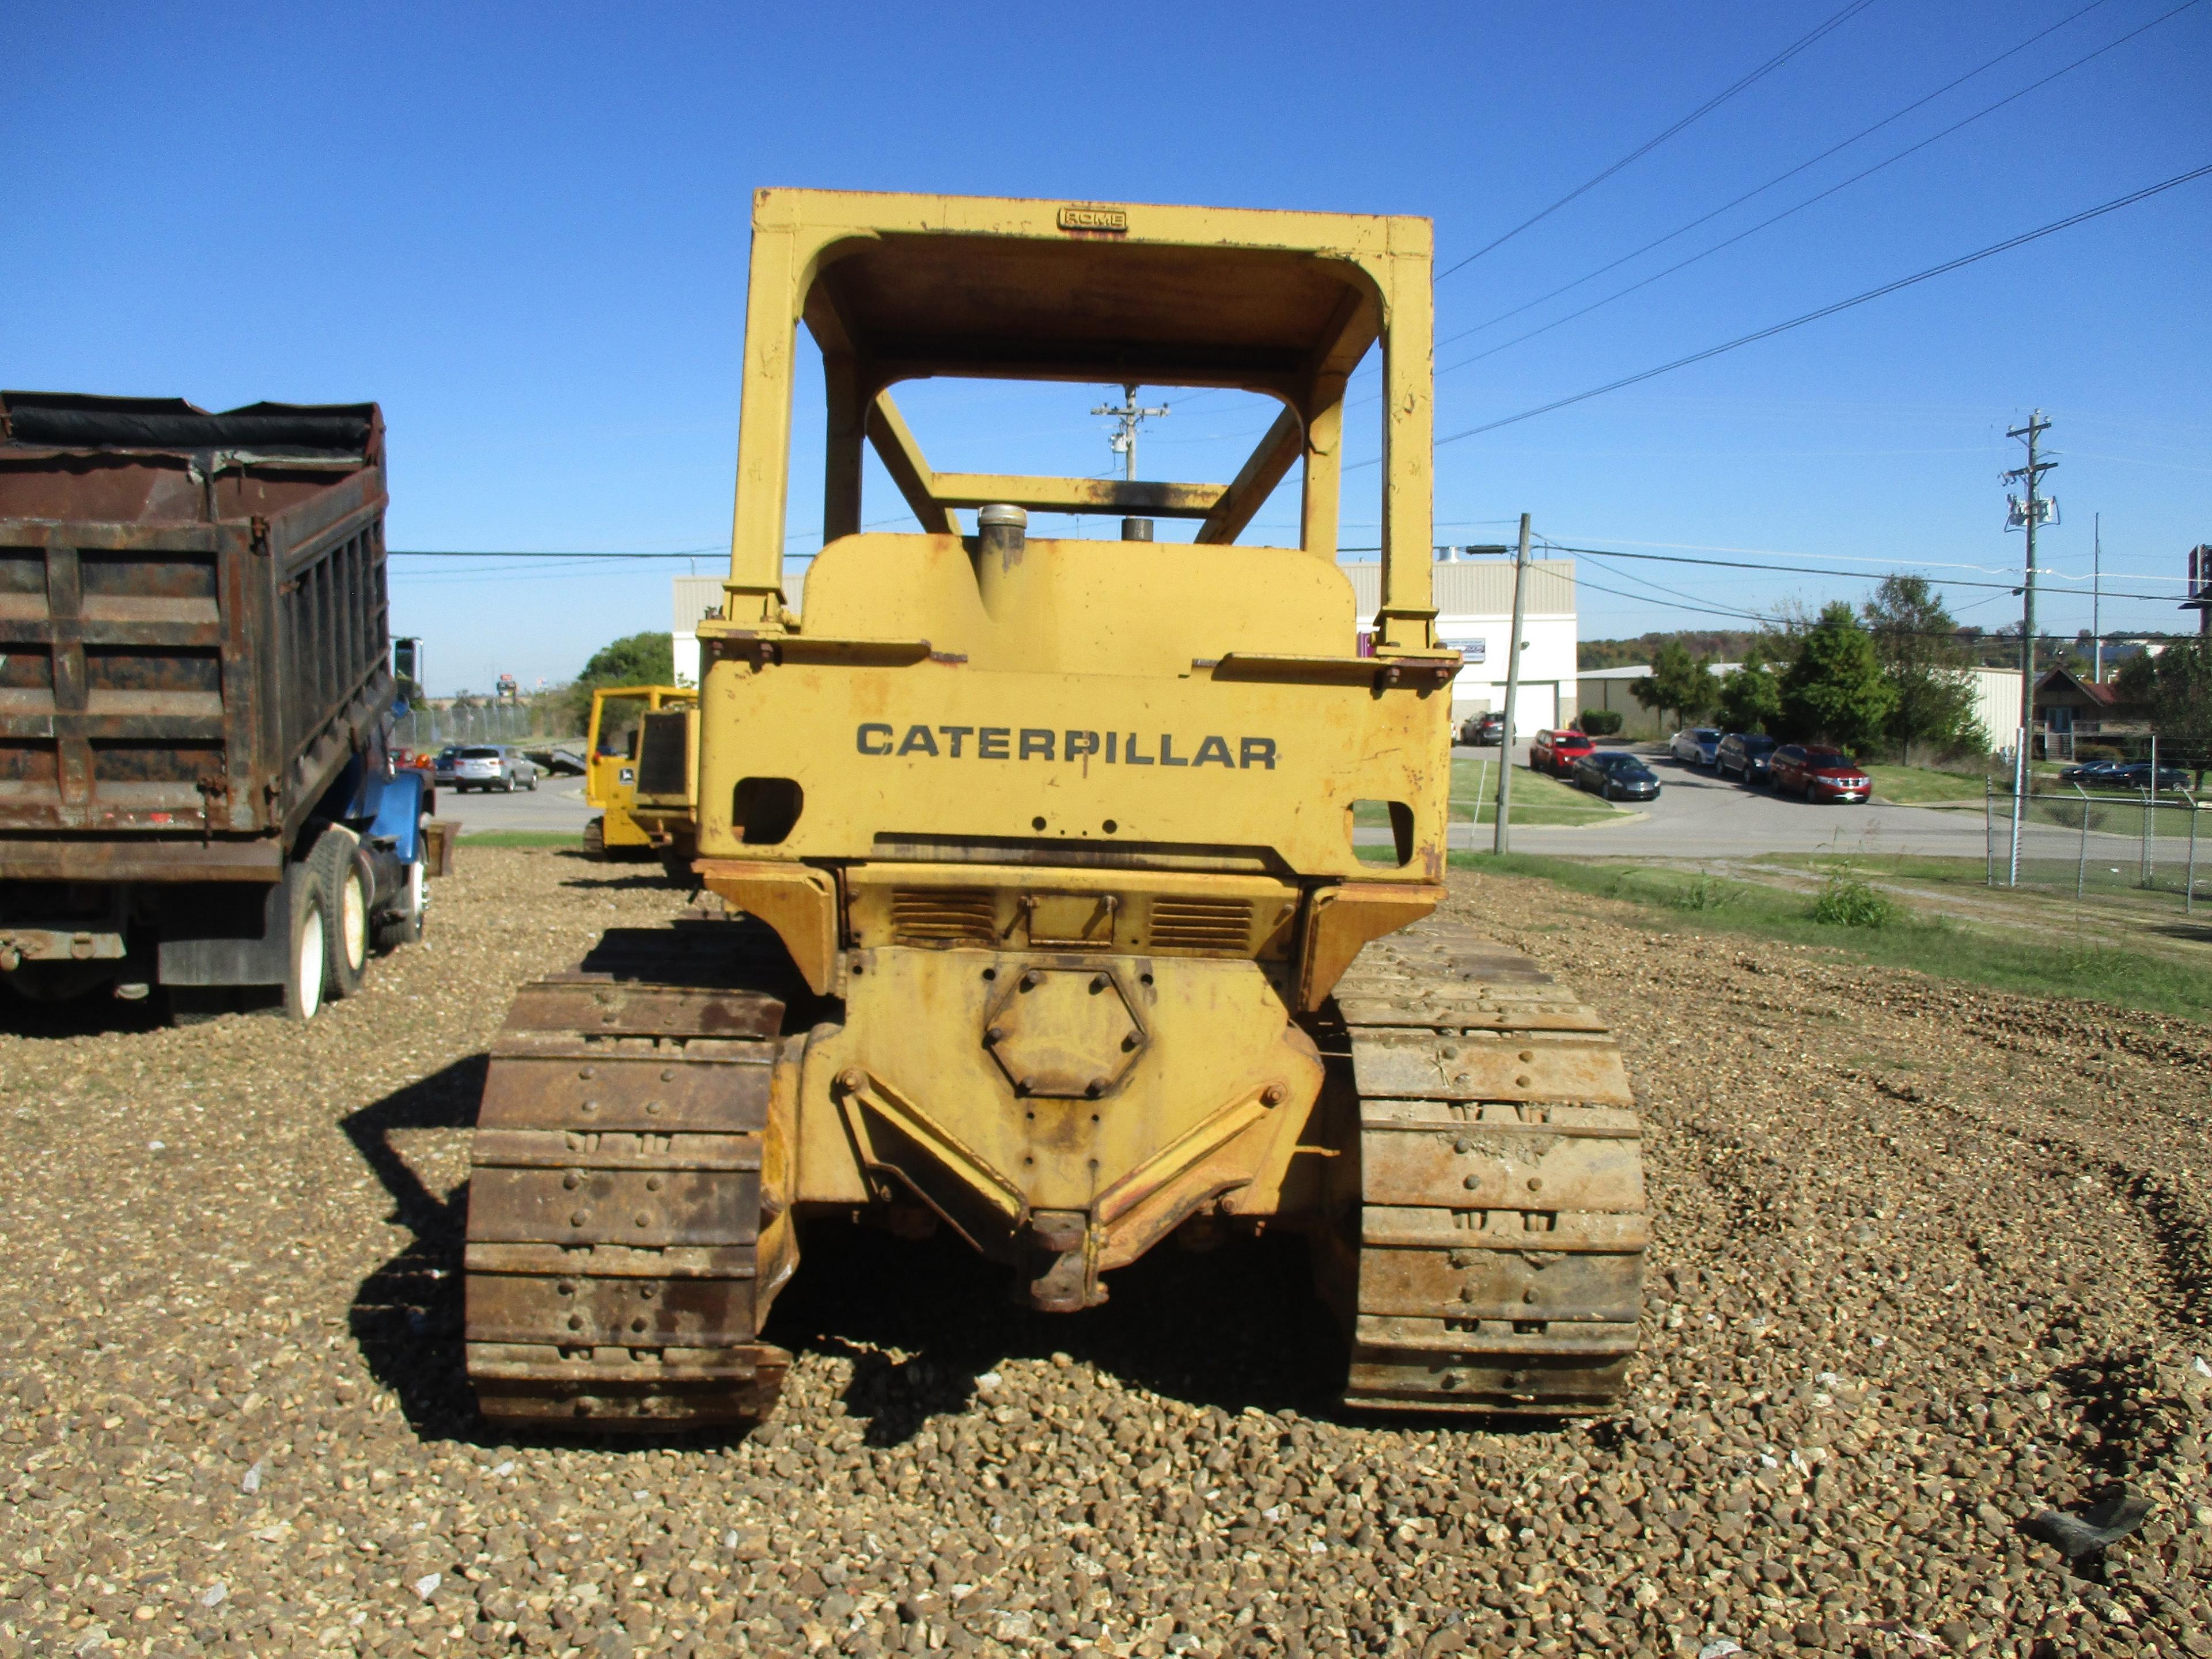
(1821, 196)
(1810, 570)
(540, 554)
(1947, 266)
(1860, 558)
(1780, 178)
(1695, 115)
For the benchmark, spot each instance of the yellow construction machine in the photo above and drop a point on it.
(1056, 924)
(641, 770)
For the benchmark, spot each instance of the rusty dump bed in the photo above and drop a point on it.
(192, 629)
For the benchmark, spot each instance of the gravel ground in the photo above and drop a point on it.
(1927, 1260)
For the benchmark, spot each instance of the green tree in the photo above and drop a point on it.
(1678, 681)
(632, 660)
(1751, 697)
(2174, 689)
(1916, 640)
(1835, 690)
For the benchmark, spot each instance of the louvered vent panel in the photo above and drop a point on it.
(944, 916)
(1193, 924)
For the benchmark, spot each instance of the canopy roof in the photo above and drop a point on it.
(896, 288)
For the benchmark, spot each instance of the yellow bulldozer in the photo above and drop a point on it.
(641, 753)
(1054, 919)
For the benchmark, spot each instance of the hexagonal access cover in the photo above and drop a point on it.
(1064, 1033)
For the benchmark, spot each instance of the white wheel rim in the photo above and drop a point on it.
(354, 936)
(308, 971)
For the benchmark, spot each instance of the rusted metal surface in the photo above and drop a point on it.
(1499, 1262)
(617, 1203)
(20, 944)
(193, 633)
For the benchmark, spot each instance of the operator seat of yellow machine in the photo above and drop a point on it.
(1064, 843)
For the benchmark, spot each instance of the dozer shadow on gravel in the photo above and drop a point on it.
(1053, 929)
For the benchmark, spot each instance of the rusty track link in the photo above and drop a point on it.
(1502, 1224)
(615, 1205)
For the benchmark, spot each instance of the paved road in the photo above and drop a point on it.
(1700, 814)
(558, 804)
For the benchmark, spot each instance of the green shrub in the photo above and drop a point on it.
(1704, 894)
(1846, 901)
(1600, 722)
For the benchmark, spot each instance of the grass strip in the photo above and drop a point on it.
(522, 838)
(1890, 935)
(1921, 786)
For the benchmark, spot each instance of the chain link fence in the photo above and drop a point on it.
(2097, 842)
(425, 727)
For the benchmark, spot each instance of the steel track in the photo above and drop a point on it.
(1501, 1221)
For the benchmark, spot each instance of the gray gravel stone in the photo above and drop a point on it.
(1927, 1260)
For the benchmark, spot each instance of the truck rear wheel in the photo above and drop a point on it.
(353, 887)
(308, 962)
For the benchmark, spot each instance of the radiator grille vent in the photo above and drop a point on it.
(944, 916)
(1196, 924)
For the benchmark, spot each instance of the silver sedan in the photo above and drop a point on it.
(484, 767)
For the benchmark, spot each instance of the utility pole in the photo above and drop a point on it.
(1127, 419)
(2096, 608)
(2026, 515)
(1499, 839)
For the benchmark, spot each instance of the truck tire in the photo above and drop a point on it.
(307, 944)
(349, 889)
(402, 923)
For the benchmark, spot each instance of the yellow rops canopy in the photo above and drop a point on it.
(897, 287)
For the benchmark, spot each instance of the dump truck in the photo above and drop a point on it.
(196, 790)
(641, 740)
(1054, 922)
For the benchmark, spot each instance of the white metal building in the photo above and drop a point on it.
(1474, 613)
(698, 597)
(1608, 689)
(1996, 704)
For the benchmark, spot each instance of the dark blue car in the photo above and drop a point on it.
(1743, 756)
(1616, 775)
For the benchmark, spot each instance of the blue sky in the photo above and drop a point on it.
(523, 230)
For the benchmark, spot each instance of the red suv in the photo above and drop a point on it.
(1556, 752)
(1818, 773)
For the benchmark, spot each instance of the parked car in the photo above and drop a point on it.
(1616, 775)
(1818, 773)
(441, 768)
(1556, 752)
(2137, 775)
(1695, 746)
(486, 767)
(2093, 775)
(565, 764)
(1481, 729)
(1744, 756)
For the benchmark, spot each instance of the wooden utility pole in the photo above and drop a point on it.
(1500, 839)
(2030, 514)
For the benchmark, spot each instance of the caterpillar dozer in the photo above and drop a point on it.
(1080, 890)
